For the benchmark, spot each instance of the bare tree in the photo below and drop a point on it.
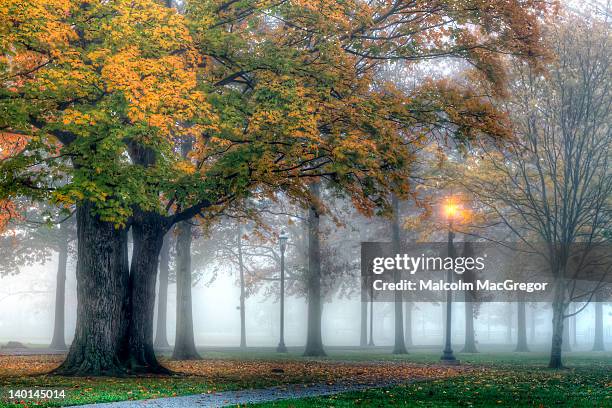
(553, 185)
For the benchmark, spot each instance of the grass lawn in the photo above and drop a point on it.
(484, 379)
(575, 388)
(496, 380)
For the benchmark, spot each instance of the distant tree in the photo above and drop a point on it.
(184, 343)
(161, 333)
(64, 238)
(30, 239)
(469, 299)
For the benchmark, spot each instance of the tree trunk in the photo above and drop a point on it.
(314, 341)
(532, 324)
(161, 334)
(102, 285)
(509, 323)
(470, 336)
(184, 345)
(598, 344)
(566, 337)
(58, 341)
(573, 326)
(363, 338)
(242, 294)
(408, 324)
(521, 329)
(556, 348)
(148, 232)
(399, 347)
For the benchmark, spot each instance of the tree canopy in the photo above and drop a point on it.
(263, 94)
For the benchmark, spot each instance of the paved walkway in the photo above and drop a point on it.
(233, 398)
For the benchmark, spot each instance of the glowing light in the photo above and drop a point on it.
(451, 208)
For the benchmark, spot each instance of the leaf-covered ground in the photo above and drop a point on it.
(484, 379)
(193, 377)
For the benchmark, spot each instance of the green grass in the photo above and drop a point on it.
(422, 356)
(90, 390)
(576, 388)
(501, 379)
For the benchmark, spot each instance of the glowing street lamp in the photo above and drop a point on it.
(452, 211)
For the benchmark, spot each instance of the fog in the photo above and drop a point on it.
(27, 308)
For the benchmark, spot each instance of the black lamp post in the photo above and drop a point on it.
(447, 354)
(282, 241)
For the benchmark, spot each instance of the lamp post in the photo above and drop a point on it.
(282, 241)
(451, 210)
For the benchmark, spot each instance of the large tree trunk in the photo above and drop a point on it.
(102, 285)
(161, 334)
(521, 329)
(58, 341)
(598, 344)
(399, 347)
(148, 232)
(314, 341)
(184, 345)
(556, 348)
(242, 293)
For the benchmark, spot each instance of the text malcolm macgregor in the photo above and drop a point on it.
(439, 285)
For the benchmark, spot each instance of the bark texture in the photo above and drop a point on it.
(102, 284)
(148, 233)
